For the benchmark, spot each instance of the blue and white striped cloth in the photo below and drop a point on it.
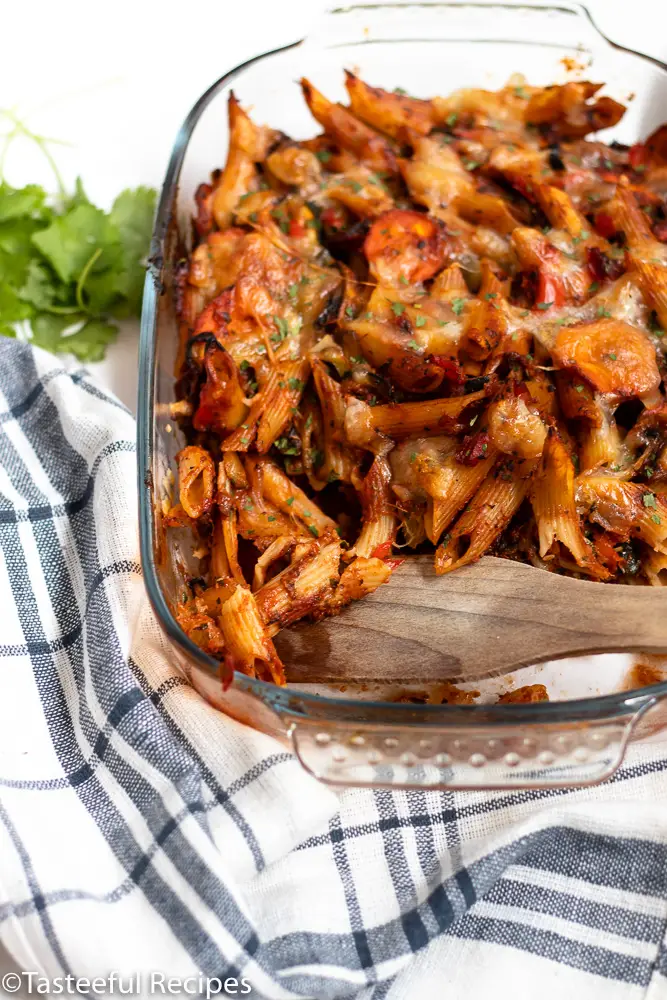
(142, 831)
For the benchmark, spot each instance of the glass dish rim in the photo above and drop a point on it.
(280, 698)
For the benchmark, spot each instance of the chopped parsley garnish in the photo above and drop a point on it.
(397, 308)
(544, 305)
(603, 313)
(323, 155)
(457, 305)
(648, 499)
(283, 329)
(420, 320)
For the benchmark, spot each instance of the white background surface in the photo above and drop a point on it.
(116, 80)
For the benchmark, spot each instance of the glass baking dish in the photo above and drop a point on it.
(427, 48)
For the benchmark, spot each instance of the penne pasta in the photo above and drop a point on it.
(348, 131)
(300, 589)
(246, 642)
(196, 481)
(339, 463)
(358, 580)
(437, 416)
(553, 500)
(487, 514)
(387, 111)
(379, 512)
(248, 145)
(438, 324)
(271, 410)
(292, 501)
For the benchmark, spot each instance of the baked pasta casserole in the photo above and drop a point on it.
(435, 326)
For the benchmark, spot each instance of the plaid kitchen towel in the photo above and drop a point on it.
(142, 832)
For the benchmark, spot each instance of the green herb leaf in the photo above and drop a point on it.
(71, 238)
(544, 305)
(397, 308)
(38, 288)
(457, 305)
(17, 203)
(287, 446)
(91, 341)
(649, 500)
(132, 214)
(420, 320)
(283, 329)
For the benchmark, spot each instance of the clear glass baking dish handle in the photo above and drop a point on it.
(521, 750)
(567, 25)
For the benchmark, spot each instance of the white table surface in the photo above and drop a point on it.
(116, 81)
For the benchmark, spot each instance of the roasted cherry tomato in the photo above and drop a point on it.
(405, 246)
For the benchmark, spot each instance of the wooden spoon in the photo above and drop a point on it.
(485, 619)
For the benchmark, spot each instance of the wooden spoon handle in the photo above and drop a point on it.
(485, 619)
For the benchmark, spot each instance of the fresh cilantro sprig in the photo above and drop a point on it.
(67, 268)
